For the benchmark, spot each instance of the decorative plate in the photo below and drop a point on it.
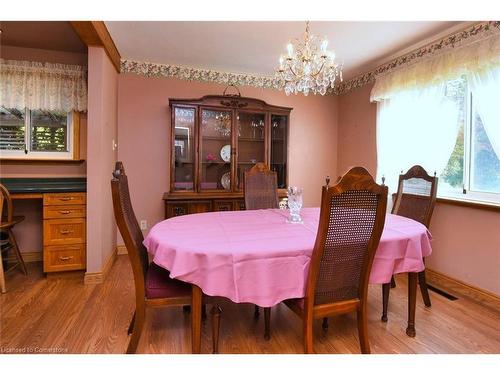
(225, 180)
(225, 153)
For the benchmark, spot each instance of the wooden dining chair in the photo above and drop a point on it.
(7, 238)
(351, 222)
(415, 199)
(153, 285)
(261, 192)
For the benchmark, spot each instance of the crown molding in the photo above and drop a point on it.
(456, 39)
(463, 37)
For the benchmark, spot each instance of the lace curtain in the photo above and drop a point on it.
(44, 86)
(479, 58)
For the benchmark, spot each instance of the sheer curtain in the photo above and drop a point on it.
(417, 124)
(485, 87)
(415, 127)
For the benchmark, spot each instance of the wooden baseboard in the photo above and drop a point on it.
(121, 250)
(448, 283)
(28, 257)
(99, 277)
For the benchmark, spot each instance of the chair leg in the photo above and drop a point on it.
(386, 288)
(215, 312)
(256, 312)
(363, 330)
(139, 318)
(203, 312)
(13, 241)
(3, 289)
(393, 282)
(267, 323)
(308, 334)
(325, 324)
(131, 325)
(423, 288)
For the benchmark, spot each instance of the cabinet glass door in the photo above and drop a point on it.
(279, 133)
(251, 145)
(184, 150)
(215, 149)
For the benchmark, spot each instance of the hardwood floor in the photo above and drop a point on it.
(62, 315)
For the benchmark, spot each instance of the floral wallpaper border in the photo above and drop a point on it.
(149, 69)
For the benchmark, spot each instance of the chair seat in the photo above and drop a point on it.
(10, 224)
(297, 302)
(160, 285)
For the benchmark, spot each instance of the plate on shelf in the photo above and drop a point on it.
(225, 180)
(225, 153)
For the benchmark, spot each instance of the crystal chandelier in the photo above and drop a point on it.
(308, 66)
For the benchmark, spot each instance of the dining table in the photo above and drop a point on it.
(258, 257)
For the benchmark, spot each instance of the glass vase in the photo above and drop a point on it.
(295, 204)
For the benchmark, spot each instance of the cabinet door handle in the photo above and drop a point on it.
(65, 258)
(65, 231)
(65, 212)
(64, 199)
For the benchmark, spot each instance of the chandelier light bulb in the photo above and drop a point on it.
(289, 48)
(324, 44)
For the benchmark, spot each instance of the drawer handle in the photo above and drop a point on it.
(65, 258)
(65, 231)
(64, 199)
(65, 212)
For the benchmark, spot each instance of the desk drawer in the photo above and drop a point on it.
(64, 212)
(50, 199)
(64, 258)
(63, 231)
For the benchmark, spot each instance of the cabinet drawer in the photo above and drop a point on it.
(50, 199)
(64, 258)
(223, 205)
(63, 212)
(63, 231)
(239, 205)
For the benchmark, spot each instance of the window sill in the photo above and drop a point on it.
(470, 203)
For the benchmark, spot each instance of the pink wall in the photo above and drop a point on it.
(357, 131)
(144, 137)
(29, 232)
(102, 132)
(465, 240)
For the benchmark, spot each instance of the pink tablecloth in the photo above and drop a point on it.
(257, 257)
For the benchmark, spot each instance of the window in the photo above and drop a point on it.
(473, 170)
(36, 134)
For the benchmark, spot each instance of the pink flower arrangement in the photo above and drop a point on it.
(210, 157)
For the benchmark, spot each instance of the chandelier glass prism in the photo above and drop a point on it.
(308, 66)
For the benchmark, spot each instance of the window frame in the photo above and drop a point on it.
(468, 194)
(73, 142)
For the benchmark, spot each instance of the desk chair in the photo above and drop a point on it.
(7, 238)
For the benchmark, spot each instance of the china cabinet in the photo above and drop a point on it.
(215, 139)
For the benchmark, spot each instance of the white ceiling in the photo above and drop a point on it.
(254, 47)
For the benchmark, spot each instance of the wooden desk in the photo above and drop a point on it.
(64, 218)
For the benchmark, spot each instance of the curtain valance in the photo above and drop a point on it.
(475, 58)
(44, 86)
